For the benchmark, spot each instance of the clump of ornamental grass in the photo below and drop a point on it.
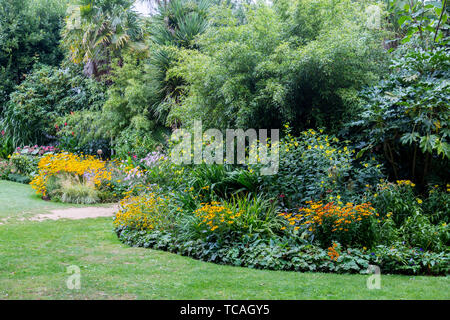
(74, 190)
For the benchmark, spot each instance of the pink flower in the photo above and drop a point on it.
(3, 132)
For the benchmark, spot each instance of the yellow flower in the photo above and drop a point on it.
(419, 201)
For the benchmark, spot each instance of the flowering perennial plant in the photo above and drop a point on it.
(88, 168)
(153, 158)
(144, 212)
(405, 183)
(214, 215)
(347, 223)
(333, 251)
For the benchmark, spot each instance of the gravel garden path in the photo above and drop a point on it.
(77, 213)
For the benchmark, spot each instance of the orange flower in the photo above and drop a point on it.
(333, 253)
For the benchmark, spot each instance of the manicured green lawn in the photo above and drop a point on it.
(19, 200)
(34, 257)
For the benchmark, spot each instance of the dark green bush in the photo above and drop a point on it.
(29, 33)
(406, 116)
(46, 94)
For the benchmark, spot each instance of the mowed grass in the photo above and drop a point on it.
(34, 257)
(19, 200)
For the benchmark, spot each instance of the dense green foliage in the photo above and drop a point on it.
(273, 70)
(46, 94)
(29, 32)
(406, 116)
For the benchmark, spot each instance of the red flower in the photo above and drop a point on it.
(73, 133)
(282, 196)
(3, 132)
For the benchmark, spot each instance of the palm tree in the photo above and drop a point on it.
(97, 30)
(175, 24)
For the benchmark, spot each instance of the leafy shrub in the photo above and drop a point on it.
(399, 258)
(214, 216)
(405, 117)
(30, 33)
(24, 164)
(5, 169)
(36, 150)
(126, 119)
(396, 200)
(419, 232)
(316, 166)
(18, 178)
(46, 94)
(437, 205)
(95, 147)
